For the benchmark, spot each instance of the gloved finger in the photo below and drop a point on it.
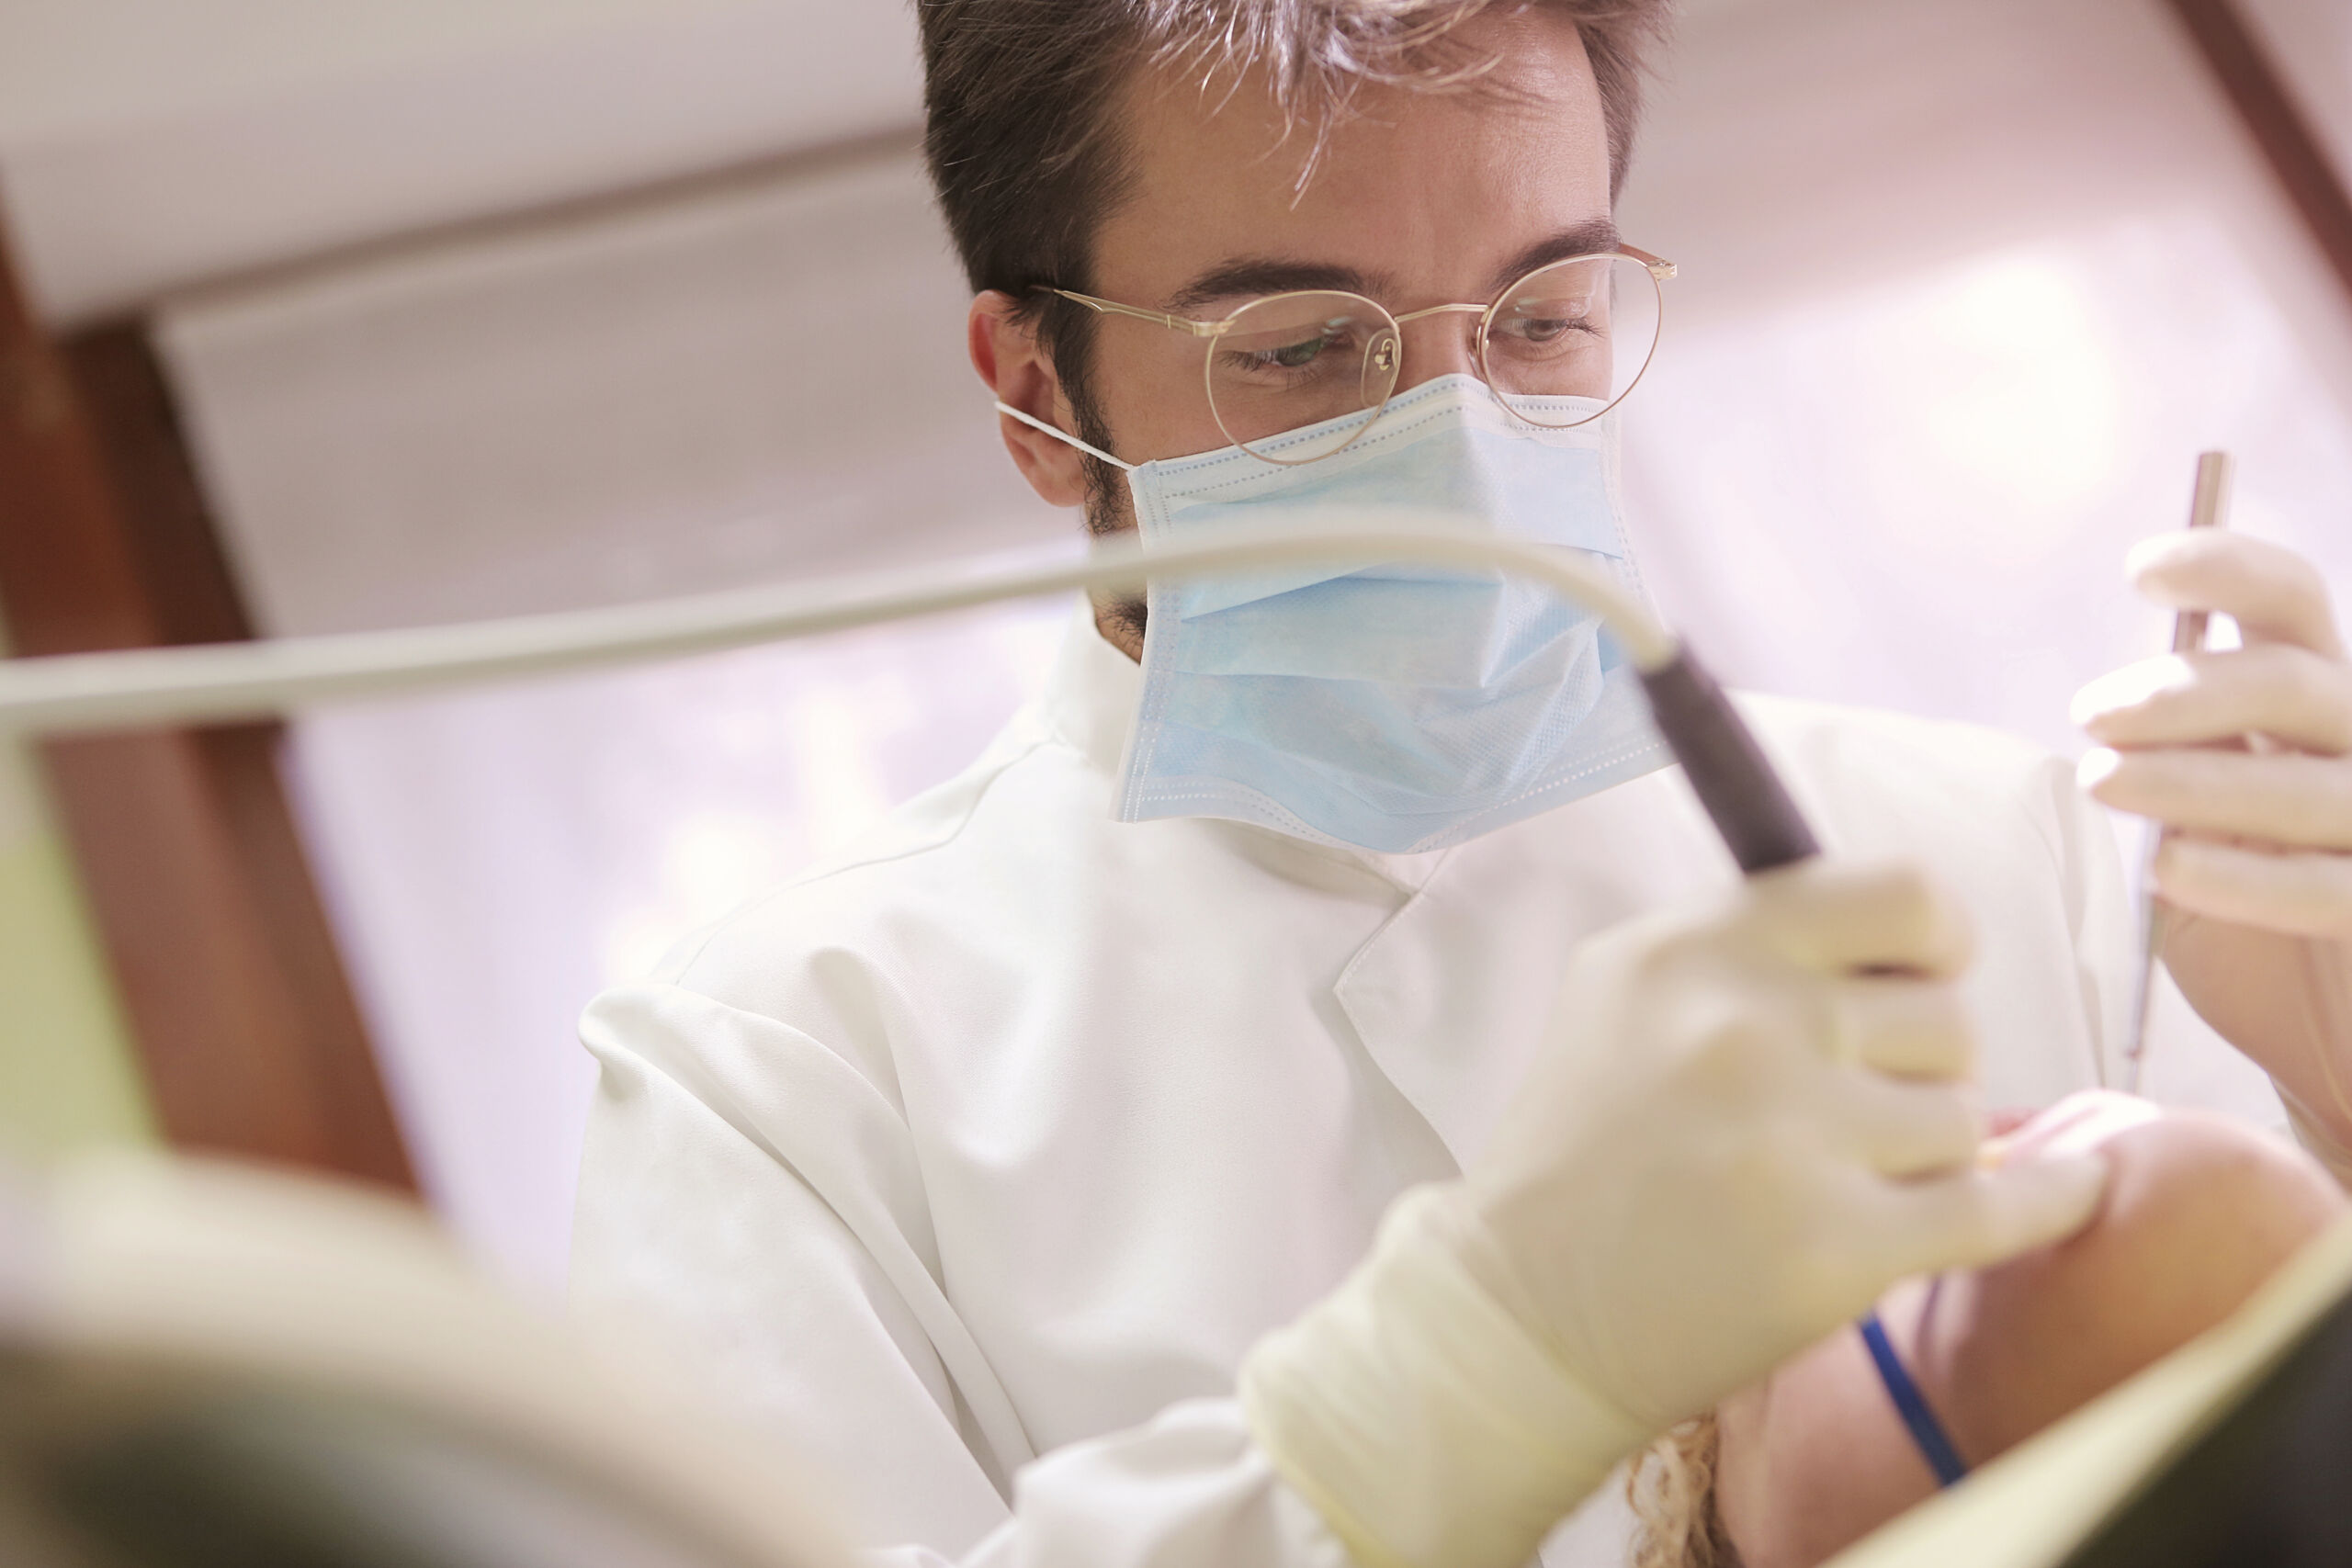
(1978, 1217)
(2281, 797)
(2292, 694)
(1905, 1027)
(1905, 1129)
(2305, 892)
(2077, 1125)
(2273, 593)
(1842, 916)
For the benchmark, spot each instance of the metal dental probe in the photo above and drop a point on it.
(2208, 509)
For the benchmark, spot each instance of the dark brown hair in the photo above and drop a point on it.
(1019, 97)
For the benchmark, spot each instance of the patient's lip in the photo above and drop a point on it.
(2075, 1125)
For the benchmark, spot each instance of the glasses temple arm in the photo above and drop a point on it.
(1659, 267)
(1113, 307)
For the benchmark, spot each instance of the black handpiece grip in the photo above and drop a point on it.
(1760, 825)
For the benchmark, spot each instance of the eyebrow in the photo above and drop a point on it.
(1248, 276)
(1594, 236)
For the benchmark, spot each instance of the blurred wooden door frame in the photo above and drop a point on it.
(2312, 182)
(188, 855)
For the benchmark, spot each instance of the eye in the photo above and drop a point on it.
(1298, 349)
(1296, 355)
(1537, 323)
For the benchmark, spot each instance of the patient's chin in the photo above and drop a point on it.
(2200, 1210)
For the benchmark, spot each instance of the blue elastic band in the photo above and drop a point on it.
(1935, 1445)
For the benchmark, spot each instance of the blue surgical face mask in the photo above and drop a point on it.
(1396, 707)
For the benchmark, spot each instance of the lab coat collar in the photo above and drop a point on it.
(1453, 996)
(1090, 702)
(1091, 696)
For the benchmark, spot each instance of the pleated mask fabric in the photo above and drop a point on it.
(1394, 707)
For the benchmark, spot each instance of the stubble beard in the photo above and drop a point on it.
(1119, 615)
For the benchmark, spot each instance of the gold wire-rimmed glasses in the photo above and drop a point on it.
(1297, 376)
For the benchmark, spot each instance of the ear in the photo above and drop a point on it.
(1006, 353)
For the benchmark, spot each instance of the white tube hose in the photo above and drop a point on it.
(229, 682)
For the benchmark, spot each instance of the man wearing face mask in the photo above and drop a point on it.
(1316, 1088)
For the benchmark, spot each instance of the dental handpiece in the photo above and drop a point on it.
(143, 687)
(1735, 781)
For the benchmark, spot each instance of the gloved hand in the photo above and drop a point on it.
(2258, 869)
(1744, 1124)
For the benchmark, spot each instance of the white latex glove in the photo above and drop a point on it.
(2246, 755)
(1746, 1124)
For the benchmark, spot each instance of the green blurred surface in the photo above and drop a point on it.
(68, 1078)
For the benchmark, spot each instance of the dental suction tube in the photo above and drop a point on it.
(142, 687)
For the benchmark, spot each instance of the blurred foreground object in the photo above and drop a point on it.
(204, 1364)
(2229, 1451)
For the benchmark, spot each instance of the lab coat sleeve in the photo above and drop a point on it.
(2098, 911)
(1188, 1487)
(777, 1240)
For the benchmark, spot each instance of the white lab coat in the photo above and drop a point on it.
(1007, 1135)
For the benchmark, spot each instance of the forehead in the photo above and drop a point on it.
(1423, 192)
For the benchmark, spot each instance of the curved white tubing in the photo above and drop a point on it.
(226, 682)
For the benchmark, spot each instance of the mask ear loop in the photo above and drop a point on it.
(1060, 434)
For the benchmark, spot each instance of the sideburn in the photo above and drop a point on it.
(1120, 617)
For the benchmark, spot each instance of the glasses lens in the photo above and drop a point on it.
(1565, 344)
(1298, 376)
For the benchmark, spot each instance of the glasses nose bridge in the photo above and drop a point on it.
(1463, 355)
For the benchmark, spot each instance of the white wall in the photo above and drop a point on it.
(758, 381)
(1965, 289)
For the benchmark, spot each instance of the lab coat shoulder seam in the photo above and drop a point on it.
(677, 969)
(662, 1062)
(982, 787)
